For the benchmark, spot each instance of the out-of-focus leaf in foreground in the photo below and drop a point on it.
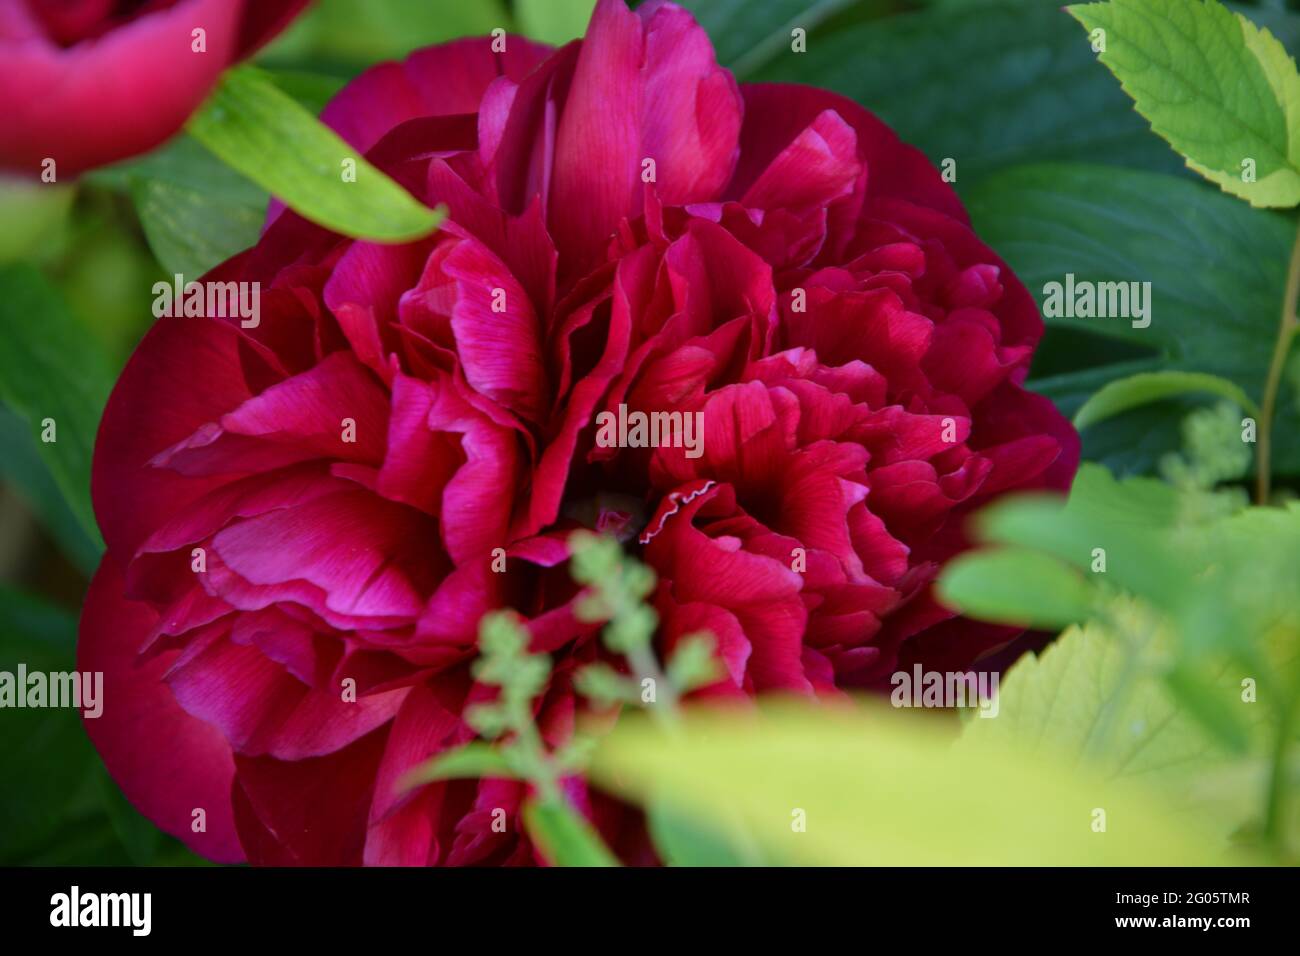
(826, 786)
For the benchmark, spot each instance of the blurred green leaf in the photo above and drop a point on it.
(1107, 225)
(51, 370)
(563, 837)
(265, 134)
(1123, 524)
(58, 804)
(1015, 586)
(1145, 387)
(681, 840)
(22, 466)
(553, 21)
(988, 84)
(1089, 697)
(312, 90)
(471, 761)
(873, 788)
(193, 230)
(32, 212)
(1217, 710)
(51, 791)
(360, 33)
(1223, 92)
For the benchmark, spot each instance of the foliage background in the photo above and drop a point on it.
(1059, 173)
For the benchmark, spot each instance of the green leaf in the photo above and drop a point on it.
(50, 369)
(553, 21)
(874, 788)
(21, 465)
(1222, 91)
(365, 32)
(693, 662)
(1088, 697)
(683, 841)
(474, 760)
(262, 132)
(1217, 710)
(746, 35)
(32, 212)
(1125, 393)
(1130, 521)
(196, 211)
(59, 805)
(48, 762)
(604, 686)
(988, 84)
(1015, 587)
(1218, 318)
(563, 837)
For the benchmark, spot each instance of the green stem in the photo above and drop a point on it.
(1286, 332)
(646, 664)
(1275, 813)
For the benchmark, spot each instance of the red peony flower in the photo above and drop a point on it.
(327, 500)
(89, 82)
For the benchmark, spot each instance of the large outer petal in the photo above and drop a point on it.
(185, 373)
(166, 762)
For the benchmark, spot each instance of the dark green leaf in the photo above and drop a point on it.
(22, 466)
(51, 369)
(747, 35)
(988, 84)
(1217, 316)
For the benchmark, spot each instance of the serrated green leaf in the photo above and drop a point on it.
(51, 369)
(262, 132)
(1106, 225)
(563, 837)
(1145, 387)
(1015, 586)
(821, 786)
(1090, 698)
(1223, 92)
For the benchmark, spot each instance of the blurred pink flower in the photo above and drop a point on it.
(89, 82)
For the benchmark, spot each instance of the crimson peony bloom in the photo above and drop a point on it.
(89, 82)
(326, 501)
